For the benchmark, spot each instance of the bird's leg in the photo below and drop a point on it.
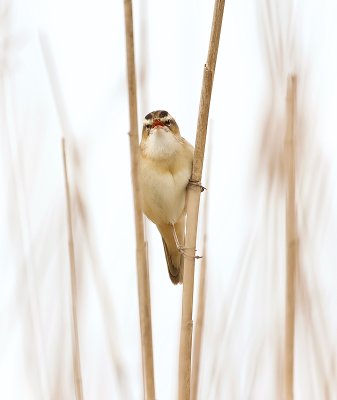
(196, 184)
(180, 248)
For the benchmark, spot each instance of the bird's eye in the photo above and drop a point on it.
(168, 122)
(148, 126)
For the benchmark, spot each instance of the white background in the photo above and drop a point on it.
(245, 290)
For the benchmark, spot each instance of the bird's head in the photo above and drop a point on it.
(160, 136)
(157, 121)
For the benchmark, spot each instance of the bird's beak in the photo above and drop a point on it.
(157, 122)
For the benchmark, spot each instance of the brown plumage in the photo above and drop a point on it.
(165, 169)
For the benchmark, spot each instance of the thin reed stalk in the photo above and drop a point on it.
(291, 238)
(193, 196)
(199, 323)
(73, 280)
(142, 267)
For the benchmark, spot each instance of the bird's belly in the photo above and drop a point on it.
(164, 195)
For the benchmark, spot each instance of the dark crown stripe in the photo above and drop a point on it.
(163, 114)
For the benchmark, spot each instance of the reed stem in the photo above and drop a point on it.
(73, 280)
(291, 238)
(193, 205)
(142, 267)
(199, 323)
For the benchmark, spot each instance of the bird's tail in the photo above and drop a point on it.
(175, 265)
(174, 258)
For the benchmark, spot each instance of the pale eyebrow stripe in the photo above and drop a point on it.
(148, 121)
(164, 119)
(167, 118)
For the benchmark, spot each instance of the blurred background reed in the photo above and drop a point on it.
(63, 73)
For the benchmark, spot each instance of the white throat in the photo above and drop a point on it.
(161, 144)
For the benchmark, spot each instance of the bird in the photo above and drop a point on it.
(165, 169)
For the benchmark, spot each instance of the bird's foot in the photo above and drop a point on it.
(183, 252)
(196, 184)
(182, 249)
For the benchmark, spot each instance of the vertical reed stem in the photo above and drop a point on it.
(73, 280)
(199, 323)
(291, 238)
(193, 205)
(142, 268)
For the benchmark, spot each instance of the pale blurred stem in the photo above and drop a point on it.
(199, 324)
(193, 201)
(291, 239)
(76, 347)
(142, 268)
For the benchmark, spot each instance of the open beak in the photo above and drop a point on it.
(157, 122)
